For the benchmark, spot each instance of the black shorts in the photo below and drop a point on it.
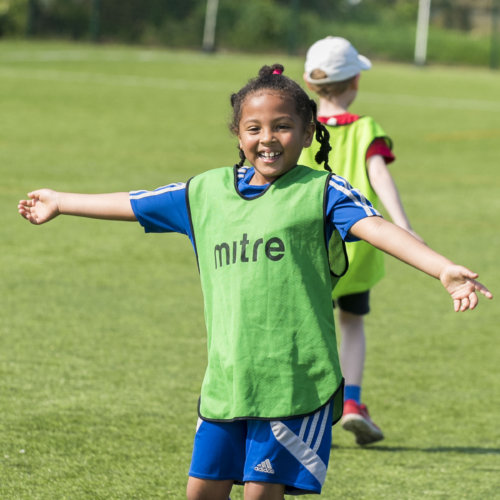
(357, 303)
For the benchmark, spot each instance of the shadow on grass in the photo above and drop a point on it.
(467, 450)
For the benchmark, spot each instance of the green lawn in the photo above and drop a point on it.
(102, 336)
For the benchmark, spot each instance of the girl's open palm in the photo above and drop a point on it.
(462, 286)
(40, 207)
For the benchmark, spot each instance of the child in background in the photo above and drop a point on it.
(273, 385)
(361, 152)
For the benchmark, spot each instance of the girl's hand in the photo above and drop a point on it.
(41, 207)
(462, 286)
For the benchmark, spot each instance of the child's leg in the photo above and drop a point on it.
(208, 489)
(264, 491)
(356, 419)
(352, 347)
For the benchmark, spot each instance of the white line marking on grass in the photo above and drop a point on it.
(55, 55)
(463, 135)
(183, 84)
(432, 102)
(93, 55)
(107, 79)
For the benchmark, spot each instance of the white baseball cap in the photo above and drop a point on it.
(337, 58)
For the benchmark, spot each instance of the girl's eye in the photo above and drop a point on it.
(283, 127)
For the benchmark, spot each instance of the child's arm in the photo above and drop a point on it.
(458, 280)
(384, 186)
(45, 204)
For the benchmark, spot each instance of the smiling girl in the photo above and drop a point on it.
(268, 240)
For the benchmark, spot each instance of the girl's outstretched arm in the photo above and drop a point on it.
(45, 204)
(459, 281)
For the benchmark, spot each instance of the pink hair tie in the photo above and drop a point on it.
(277, 72)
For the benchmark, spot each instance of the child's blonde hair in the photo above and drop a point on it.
(331, 89)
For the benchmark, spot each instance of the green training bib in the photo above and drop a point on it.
(263, 262)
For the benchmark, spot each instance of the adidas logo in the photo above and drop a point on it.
(265, 466)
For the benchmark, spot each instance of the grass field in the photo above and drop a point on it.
(102, 336)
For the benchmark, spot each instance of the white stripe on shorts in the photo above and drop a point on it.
(198, 424)
(312, 430)
(301, 450)
(322, 429)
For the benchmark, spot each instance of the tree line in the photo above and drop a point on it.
(241, 25)
(383, 29)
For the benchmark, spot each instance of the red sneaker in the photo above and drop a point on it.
(356, 419)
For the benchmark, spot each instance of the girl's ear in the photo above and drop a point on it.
(309, 135)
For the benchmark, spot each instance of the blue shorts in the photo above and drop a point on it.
(291, 452)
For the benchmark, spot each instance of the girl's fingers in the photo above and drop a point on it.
(481, 288)
(470, 301)
(27, 203)
(473, 301)
(26, 209)
(471, 274)
(465, 304)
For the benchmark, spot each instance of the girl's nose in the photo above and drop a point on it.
(267, 136)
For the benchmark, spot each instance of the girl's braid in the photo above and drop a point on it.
(323, 137)
(242, 158)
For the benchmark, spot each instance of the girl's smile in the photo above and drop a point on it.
(272, 134)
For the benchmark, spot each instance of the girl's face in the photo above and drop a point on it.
(272, 134)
